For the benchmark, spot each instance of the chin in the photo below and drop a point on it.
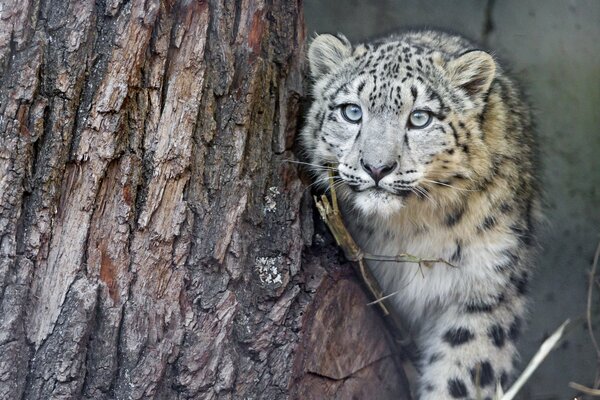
(377, 202)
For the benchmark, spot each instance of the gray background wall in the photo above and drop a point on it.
(553, 48)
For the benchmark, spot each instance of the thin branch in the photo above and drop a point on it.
(584, 389)
(408, 258)
(589, 308)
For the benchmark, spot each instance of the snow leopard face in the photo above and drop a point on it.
(399, 118)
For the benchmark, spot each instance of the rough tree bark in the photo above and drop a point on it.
(153, 243)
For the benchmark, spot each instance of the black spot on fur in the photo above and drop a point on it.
(454, 217)
(511, 260)
(486, 374)
(512, 257)
(458, 336)
(497, 334)
(435, 357)
(429, 388)
(505, 208)
(520, 282)
(457, 388)
(515, 329)
(503, 379)
(523, 234)
(480, 307)
(413, 91)
(457, 256)
(488, 223)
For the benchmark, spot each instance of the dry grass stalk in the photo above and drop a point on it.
(535, 362)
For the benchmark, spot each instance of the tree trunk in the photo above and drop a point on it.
(153, 242)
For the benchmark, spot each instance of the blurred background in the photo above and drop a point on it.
(552, 48)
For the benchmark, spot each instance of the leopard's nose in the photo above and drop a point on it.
(378, 172)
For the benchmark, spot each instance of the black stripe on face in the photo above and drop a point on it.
(454, 133)
(320, 128)
(343, 88)
(413, 92)
(360, 87)
(433, 95)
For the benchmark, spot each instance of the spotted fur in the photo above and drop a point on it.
(461, 188)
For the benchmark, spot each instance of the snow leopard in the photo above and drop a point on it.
(433, 151)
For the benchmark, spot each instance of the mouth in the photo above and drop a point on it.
(378, 190)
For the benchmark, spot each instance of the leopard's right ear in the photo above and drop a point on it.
(327, 52)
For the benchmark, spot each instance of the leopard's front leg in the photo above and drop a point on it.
(470, 347)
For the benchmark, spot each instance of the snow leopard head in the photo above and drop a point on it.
(399, 118)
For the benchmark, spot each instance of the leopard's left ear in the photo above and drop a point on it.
(326, 52)
(473, 71)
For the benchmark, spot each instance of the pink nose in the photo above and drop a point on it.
(380, 171)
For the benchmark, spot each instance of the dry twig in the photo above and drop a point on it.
(593, 391)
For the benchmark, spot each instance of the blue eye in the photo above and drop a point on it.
(352, 113)
(419, 119)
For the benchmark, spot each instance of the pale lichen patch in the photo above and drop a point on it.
(270, 199)
(267, 268)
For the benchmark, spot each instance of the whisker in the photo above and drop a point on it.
(336, 185)
(323, 167)
(450, 186)
(426, 194)
(317, 182)
(443, 172)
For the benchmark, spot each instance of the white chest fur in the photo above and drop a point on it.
(420, 291)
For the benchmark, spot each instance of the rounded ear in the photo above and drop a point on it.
(326, 52)
(473, 71)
